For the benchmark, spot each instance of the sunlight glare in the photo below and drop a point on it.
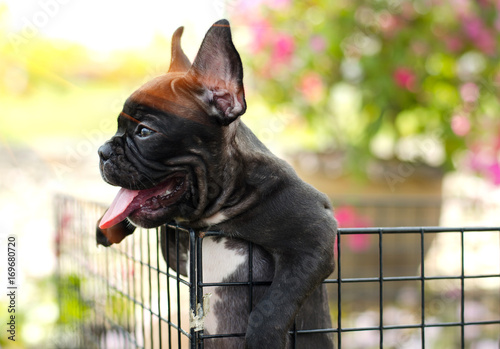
(110, 25)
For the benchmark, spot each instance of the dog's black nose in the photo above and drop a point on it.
(105, 151)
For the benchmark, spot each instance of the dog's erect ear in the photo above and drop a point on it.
(217, 67)
(179, 61)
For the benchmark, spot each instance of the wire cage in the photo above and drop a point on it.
(134, 295)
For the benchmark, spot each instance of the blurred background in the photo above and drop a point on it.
(390, 107)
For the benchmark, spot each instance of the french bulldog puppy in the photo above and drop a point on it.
(181, 153)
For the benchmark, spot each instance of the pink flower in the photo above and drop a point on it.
(460, 125)
(473, 27)
(261, 32)
(317, 43)
(347, 217)
(476, 160)
(469, 92)
(480, 35)
(358, 242)
(493, 172)
(461, 7)
(284, 47)
(405, 78)
(487, 43)
(312, 87)
(387, 22)
(485, 162)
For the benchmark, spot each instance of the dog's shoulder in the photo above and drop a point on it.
(282, 195)
(269, 172)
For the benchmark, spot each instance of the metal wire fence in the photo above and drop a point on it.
(132, 295)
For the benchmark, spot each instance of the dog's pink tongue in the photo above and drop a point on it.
(120, 208)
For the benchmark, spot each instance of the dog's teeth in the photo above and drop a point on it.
(169, 191)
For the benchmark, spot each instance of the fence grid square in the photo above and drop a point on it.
(133, 295)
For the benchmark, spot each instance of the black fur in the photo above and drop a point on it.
(230, 183)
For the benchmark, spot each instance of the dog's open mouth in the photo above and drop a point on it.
(129, 201)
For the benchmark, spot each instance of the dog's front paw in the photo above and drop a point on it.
(267, 339)
(264, 335)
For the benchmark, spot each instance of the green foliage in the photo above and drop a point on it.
(73, 309)
(53, 88)
(381, 72)
(365, 78)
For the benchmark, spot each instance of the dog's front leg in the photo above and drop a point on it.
(296, 276)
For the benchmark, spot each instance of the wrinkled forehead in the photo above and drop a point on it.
(166, 94)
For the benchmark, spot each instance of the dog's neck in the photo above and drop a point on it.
(238, 176)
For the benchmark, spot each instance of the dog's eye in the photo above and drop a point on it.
(145, 132)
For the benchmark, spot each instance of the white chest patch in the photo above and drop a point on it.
(219, 262)
(215, 219)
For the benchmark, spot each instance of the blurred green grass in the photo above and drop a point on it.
(53, 89)
(53, 113)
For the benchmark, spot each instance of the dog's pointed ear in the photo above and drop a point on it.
(218, 69)
(179, 61)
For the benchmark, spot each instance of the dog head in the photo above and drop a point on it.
(173, 135)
